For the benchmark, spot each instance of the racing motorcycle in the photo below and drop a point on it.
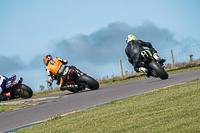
(155, 69)
(79, 81)
(17, 89)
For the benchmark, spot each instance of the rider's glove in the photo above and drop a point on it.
(49, 82)
(148, 43)
(153, 50)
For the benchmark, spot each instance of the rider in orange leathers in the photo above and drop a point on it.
(58, 68)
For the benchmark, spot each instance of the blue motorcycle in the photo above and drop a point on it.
(17, 89)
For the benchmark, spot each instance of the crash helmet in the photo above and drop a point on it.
(46, 59)
(130, 38)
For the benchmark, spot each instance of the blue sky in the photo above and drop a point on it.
(88, 32)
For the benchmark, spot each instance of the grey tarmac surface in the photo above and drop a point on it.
(54, 105)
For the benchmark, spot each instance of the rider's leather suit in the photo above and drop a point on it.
(133, 50)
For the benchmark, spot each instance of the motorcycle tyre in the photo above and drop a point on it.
(158, 69)
(25, 88)
(93, 84)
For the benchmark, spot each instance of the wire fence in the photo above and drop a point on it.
(112, 69)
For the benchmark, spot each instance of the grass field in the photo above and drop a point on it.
(173, 109)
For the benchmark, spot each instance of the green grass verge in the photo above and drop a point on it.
(171, 109)
(4, 108)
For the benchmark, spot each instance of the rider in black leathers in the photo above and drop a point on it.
(133, 49)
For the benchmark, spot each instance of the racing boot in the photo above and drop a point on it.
(3, 97)
(81, 87)
(144, 70)
(69, 87)
(158, 59)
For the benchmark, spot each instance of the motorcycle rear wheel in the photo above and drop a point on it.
(159, 70)
(93, 84)
(22, 91)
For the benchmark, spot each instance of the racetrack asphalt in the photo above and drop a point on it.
(66, 102)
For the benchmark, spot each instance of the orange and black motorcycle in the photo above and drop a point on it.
(76, 82)
(17, 89)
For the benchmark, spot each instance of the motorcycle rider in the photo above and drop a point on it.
(133, 50)
(58, 68)
(5, 83)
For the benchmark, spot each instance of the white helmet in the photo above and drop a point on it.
(130, 38)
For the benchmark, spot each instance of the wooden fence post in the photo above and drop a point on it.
(172, 58)
(191, 57)
(120, 63)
